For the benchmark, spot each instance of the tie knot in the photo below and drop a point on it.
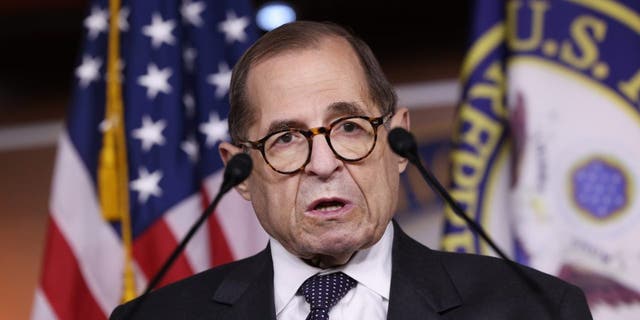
(324, 291)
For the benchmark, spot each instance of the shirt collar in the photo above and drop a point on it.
(371, 267)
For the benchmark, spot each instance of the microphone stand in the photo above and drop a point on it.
(237, 170)
(403, 143)
(442, 192)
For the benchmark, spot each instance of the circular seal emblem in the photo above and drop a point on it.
(600, 188)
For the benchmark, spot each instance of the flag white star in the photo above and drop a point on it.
(215, 129)
(123, 15)
(150, 132)
(159, 30)
(233, 27)
(189, 104)
(221, 80)
(97, 22)
(156, 80)
(191, 12)
(190, 147)
(189, 55)
(88, 70)
(147, 184)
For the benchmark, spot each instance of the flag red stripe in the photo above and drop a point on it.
(220, 251)
(152, 248)
(62, 281)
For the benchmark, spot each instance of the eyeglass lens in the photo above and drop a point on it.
(350, 139)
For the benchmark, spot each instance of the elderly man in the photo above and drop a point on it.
(311, 106)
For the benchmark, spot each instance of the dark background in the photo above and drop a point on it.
(414, 40)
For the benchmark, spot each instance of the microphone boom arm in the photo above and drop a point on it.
(237, 170)
(403, 143)
(442, 192)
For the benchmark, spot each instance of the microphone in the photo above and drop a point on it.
(237, 170)
(403, 143)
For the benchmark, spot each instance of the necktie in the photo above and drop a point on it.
(322, 292)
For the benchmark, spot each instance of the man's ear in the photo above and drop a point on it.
(401, 119)
(228, 150)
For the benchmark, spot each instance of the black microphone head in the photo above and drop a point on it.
(238, 168)
(403, 143)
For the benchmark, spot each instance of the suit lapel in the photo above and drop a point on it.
(420, 286)
(246, 292)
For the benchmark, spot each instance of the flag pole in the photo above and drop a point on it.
(113, 169)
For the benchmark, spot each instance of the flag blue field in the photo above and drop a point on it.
(547, 143)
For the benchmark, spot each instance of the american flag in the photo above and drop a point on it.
(174, 68)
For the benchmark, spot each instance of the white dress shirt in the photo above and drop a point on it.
(371, 268)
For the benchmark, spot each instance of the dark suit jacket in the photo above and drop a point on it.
(425, 284)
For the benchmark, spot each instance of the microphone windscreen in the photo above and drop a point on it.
(238, 168)
(403, 143)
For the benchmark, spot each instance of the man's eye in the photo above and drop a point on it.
(285, 138)
(349, 127)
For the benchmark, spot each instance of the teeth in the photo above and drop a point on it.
(328, 208)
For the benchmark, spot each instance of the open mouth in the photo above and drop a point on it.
(327, 205)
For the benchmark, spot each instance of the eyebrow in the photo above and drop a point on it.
(284, 125)
(336, 109)
(343, 108)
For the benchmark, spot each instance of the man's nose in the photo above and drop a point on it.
(323, 161)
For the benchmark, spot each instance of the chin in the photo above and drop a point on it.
(340, 243)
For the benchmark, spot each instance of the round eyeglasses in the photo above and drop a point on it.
(350, 138)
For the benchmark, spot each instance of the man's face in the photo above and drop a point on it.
(331, 208)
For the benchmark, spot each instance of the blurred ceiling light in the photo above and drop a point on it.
(274, 14)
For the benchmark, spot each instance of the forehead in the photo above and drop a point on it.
(309, 86)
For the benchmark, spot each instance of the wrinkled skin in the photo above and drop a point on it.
(310, 87)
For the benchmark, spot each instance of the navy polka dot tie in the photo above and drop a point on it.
(322, 292)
